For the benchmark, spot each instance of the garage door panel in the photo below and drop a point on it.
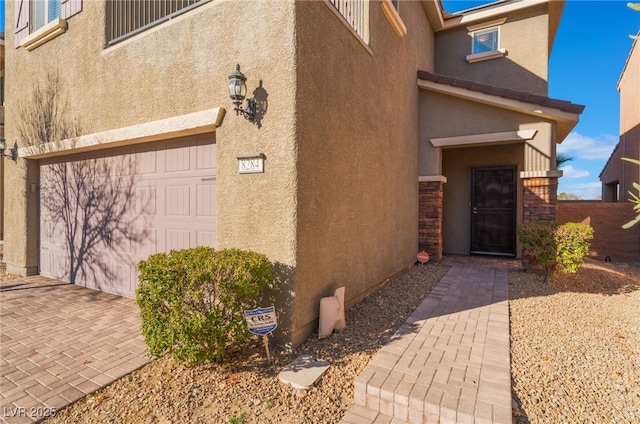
(177, 200)
(206, 238)
(144, 201)
(177, 159)
(148, 242)
(150, 198)
(178, 239)
(206, 200)
(145, 161)
(206, 158)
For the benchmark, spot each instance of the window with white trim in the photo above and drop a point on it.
(42, 19)
(43, 12)
(486, 40)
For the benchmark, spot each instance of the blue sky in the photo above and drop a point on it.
(589, 53)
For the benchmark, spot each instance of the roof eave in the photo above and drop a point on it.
(565, 120)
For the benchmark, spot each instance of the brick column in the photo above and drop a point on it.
(540, 198)
(430, 218)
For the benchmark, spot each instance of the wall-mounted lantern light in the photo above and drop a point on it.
(13, 152)
(238, 92)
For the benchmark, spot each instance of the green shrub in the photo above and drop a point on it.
(552, 245)
(573, 241)
(192, 301)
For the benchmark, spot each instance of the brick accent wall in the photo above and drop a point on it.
(540, 199)
(609, 239)
(430, 218)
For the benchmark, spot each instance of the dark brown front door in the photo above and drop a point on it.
(493, 207)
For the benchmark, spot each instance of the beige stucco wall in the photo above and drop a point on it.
(629, 87)
(358, 146)
(174, 69)
(446, 116)
(525, 67)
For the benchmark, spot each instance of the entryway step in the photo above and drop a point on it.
(361, 415)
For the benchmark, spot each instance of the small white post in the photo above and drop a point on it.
(265, 340)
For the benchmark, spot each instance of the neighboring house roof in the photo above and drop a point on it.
(563, 112)
(604, 168)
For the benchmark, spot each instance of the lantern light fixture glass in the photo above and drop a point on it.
(238, 93)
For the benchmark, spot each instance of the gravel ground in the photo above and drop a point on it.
(575, 345)
(575, 352)
(245, 389)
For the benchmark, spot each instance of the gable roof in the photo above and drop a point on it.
(563, 112)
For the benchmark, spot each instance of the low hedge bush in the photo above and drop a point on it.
(192, 301)
(554, 246)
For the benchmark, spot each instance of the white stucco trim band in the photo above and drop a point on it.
(554, 173)
(489, 138)
(432, 178)
(178, 126)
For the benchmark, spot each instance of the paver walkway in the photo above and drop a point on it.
(59, 342)
(449, 362)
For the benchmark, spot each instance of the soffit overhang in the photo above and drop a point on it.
(565, 114)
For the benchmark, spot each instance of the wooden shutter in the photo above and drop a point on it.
(22, 20)
(70, 8)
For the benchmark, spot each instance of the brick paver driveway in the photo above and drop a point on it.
(59, 342)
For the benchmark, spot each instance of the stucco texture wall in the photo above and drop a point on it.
(524, 68)
(176, 68)
(357, 155)
(444, 116)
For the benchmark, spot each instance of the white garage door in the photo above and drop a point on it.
(102, 212)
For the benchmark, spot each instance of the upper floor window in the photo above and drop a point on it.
(43, 12)
(486, 40)
(38, 21)
(129, 17)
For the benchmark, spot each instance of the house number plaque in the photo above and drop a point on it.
(252, 163)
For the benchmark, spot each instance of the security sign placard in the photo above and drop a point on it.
(261, 321)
